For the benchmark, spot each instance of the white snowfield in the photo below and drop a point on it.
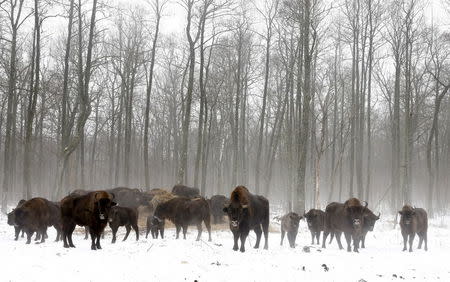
(169, 259)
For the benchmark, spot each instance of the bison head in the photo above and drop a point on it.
(369, 219)
(355, 212)
(236, 213)
(102, 203)
(12, 218)
(407, 214)
(312, 218)
(294, 220)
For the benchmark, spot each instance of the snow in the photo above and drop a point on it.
(188, 260)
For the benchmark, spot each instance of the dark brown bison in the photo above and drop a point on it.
(33, 216)
(347, 218)
(216, 205)
(185, 191)
(414, 221)
(316, 222)
(130, 198)
(90, 210)
(369, 223)
(183, 212)
(12, 221)
(289, 224)
(245, 212)
(123, 216)
(155, 226)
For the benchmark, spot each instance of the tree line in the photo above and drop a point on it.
(304, 101)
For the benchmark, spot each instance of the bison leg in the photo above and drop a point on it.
(98, 242)
(348, 238)
(426, 240)
(235, 238)
(185, 227)
(199, 231)
(405, 239)
(355, 243)
(162, 233)
(44, 233)
(243, 238)
(147, 231)
(207, 222)
(128, 227)
(411, 240)
(178, 228)
(114, 232)
(258, 233)
(23, 233)
(291, 237)
(136, 229)
(318, 236)
(324, 238)
(363, 240)
(313, 235)
(282, 236)
(86, 232)
(338, 239)
(93, 237)
(420, 240)
(154, 233)
(17, 232)
(29, 235)
(38, 236)
(265, 228)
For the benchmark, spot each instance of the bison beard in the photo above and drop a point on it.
(247, 211)
(183, 212)
(89, 210)
(414, 221)
(347, 218)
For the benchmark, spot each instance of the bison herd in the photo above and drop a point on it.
(184, 207)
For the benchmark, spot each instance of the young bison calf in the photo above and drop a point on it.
(289, 224)
(155, 226)
(316, 223)
(412, 221)
(123, 216)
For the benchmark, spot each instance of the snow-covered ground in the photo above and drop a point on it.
(188, 260)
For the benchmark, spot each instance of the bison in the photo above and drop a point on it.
(12, 221)
(123, 216)
(32, 216)
(347, 218)
(155, 226)
(289, 224)
(184, 191)
(183, 212)
(316, 221)
(247, 211)
(128, 197)
(90, 210)
(216, 205)
(413, 221)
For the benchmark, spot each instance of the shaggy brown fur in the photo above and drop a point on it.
(90, 210)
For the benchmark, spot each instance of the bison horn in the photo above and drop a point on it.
(379, 214)
(366, 204)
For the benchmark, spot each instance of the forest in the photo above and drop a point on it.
(303, 101)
